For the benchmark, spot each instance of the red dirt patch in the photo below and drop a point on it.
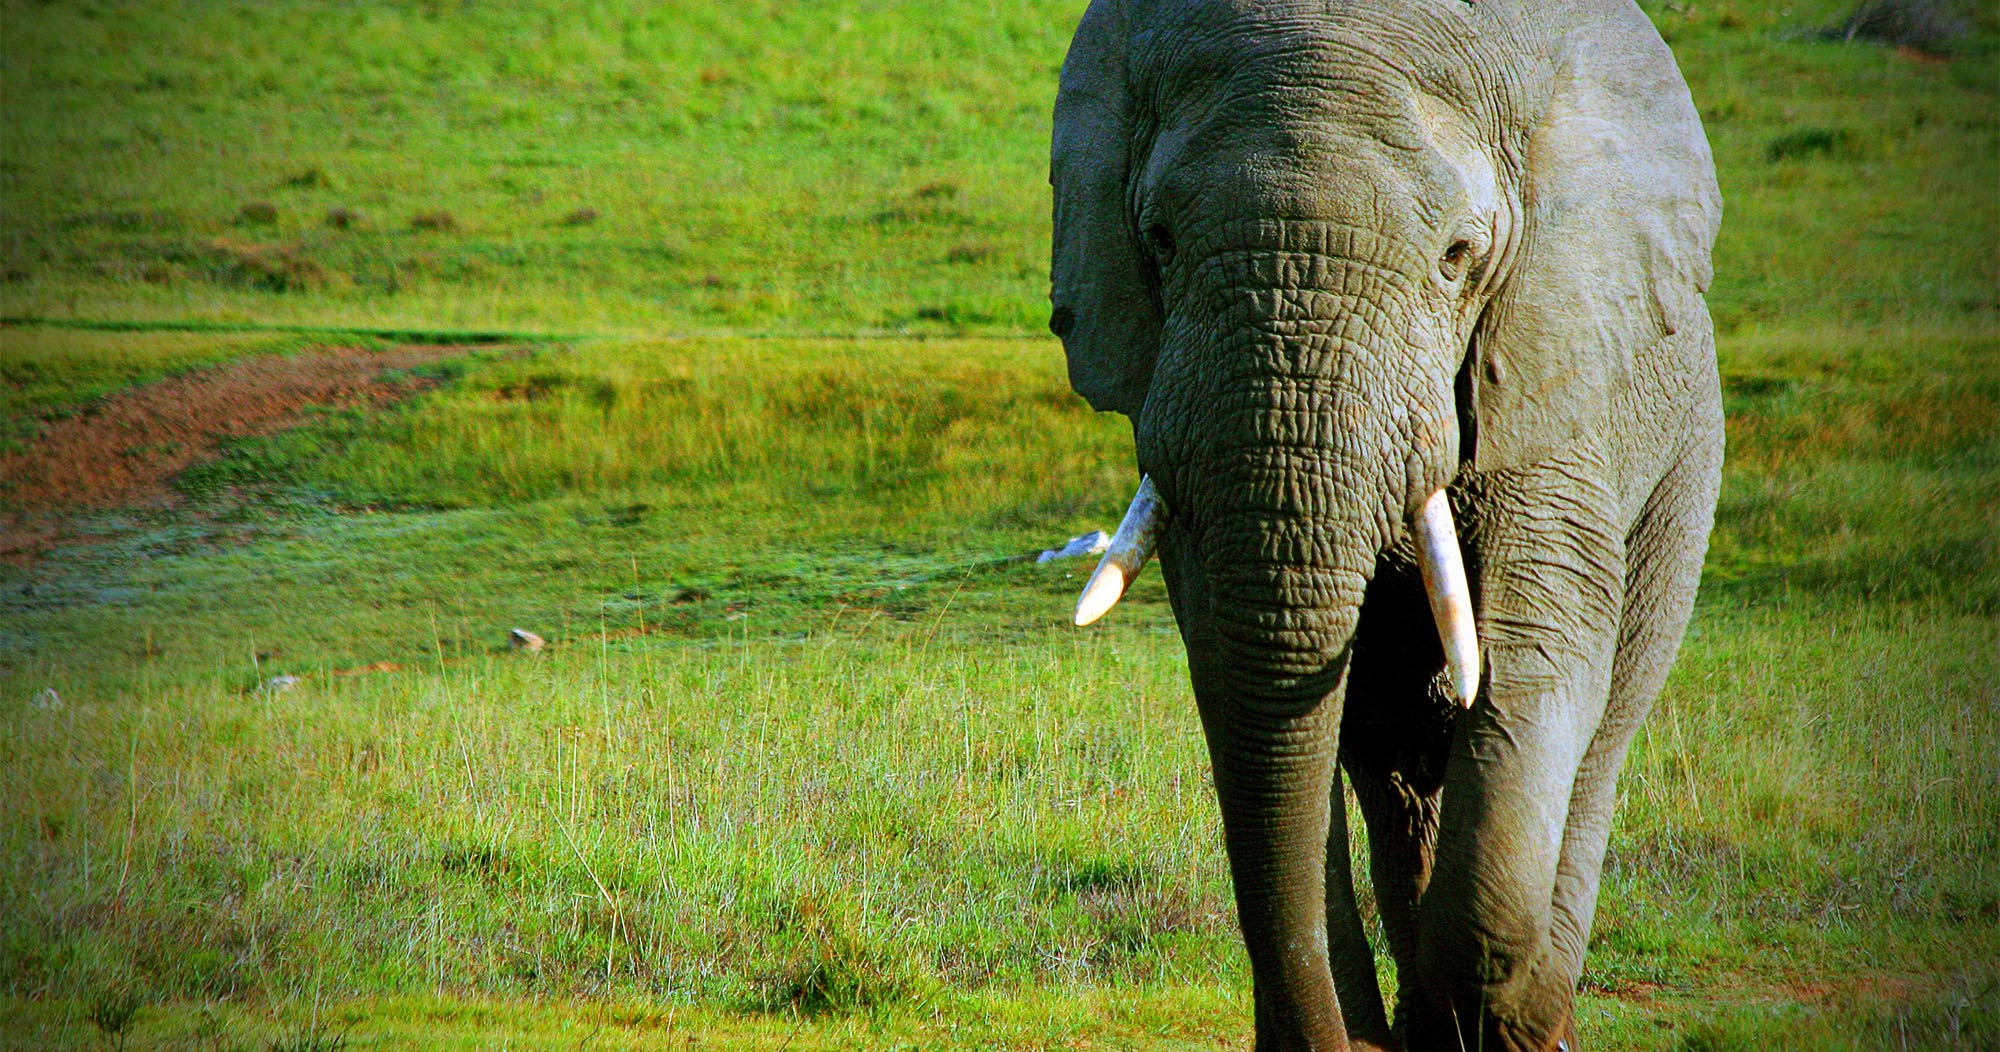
(126, 450)
(1633, 991)
(369, 669)
(1851, 989)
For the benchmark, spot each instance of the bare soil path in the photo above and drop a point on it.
(126, 450)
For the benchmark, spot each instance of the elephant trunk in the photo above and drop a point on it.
(1278, 580)
(1291, 456)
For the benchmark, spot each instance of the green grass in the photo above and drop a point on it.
(812, 740)
(812, 761)
(896, 816)
(793, 167)
(683, 127)
(1861, 464)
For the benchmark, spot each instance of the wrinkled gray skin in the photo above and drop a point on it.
(1329, 257)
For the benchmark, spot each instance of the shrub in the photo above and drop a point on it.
(822, 964)
(112, 1011)
(273, 268)
(313, 178)
(1933, 26)
(1808, 142)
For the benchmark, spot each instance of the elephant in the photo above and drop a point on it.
(1404, 300)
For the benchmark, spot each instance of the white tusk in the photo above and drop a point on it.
(1130, 547)
(1451, 597)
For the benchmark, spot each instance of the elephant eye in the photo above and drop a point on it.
(1160, 241)
(1455, 259)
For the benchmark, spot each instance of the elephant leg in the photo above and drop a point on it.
(1395, 739)
(1664, 555)
(1552, 576)
(1402, 838)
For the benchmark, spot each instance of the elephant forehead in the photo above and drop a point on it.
(1304, 126)
(1224, 34)
(1306, 175)
(1293, 77)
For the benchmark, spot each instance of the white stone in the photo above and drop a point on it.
(522, 639)
(1092, 543)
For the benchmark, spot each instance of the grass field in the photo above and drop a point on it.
(737, 392)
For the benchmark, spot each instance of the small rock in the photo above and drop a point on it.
(280, 684)
(1092, 543)
(48, 700)
(522, 639)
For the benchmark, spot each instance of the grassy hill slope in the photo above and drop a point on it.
(762, 433)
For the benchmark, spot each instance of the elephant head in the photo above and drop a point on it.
(1345, 265)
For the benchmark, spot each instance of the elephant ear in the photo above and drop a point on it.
(1104, 308)
(1620, 210)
